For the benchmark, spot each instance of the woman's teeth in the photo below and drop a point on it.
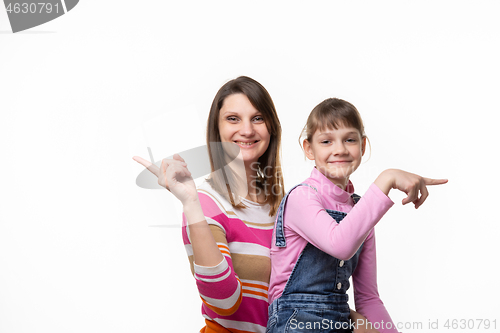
(245, 143)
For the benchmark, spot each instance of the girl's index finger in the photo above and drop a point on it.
(430, 181)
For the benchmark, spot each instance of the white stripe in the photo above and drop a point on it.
(260, 290)
(256, 296)
(249, 248)
(253, 226)
(241, 325)
(189, 249)
(226, 303)
(255, 282)
(211, 270)
(214, 279)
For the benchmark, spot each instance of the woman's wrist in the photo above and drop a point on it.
(193, 212)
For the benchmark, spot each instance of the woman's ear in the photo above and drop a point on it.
(363, 147)
(308, 149)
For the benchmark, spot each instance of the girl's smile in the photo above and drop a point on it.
(337, 153)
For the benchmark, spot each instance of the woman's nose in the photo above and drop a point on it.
(247, 128)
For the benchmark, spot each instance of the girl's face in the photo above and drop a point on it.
(242, 124)
(337, 152)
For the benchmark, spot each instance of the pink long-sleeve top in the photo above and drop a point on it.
(306, 221)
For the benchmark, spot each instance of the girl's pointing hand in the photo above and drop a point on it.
(408, 183)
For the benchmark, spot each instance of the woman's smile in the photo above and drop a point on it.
(242, 124)
(247, 144)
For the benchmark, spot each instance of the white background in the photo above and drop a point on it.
(83, 249)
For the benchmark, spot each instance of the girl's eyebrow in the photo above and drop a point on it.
(328, 133)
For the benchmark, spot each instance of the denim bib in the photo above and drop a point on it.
(314, 298)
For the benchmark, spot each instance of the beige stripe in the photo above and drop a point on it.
(219, 235)
(270, 225)
(252, 267)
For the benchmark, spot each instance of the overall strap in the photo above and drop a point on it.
(355, 198)
(280, 233)
(279, 226)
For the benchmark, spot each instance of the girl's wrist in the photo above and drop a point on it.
(385, 181)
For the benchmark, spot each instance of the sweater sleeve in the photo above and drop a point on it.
(305, 214)
(366, 296)
(218, 286)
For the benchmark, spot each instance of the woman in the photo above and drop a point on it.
(228, 222)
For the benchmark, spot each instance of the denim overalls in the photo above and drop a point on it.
(314, 298)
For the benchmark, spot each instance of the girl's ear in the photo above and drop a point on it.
(308, 149)
(363, 146)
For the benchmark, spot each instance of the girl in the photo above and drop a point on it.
(313, 253)
(228, 221)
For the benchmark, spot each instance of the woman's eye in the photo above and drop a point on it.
(258, 119)
(232, 119)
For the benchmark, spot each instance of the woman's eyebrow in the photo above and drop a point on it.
(236, 113)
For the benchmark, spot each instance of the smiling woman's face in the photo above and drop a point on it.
(242, 124)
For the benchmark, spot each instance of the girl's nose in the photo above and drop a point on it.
(339, 149)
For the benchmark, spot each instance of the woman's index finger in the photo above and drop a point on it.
(148, 165)
(178, 158)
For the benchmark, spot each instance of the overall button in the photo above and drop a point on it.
(339, 285)
(341, 263)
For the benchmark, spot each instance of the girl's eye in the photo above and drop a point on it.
(351, 140)
(325, 142)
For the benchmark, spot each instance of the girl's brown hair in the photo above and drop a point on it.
(270, 180)
(330, 114)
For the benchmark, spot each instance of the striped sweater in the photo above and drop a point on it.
(234, 293)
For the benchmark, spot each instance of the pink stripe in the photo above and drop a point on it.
(260, 236)
(218, 290)
(210, 208)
